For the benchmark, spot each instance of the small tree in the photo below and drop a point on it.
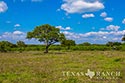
(110, 44)
(68, 43)
(86, 44)
(116, 43)
(21, 45)
(123, 38)
(47, 34)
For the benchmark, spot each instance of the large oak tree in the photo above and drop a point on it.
(47, 34)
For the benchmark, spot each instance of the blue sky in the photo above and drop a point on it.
(94, 21)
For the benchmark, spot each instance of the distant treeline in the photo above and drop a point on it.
(20, 46)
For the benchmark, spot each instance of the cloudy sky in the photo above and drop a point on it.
(94, 21)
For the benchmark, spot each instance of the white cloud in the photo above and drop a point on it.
(108, 19)
(97, 37)
(59, 27)
(13, 36)
(16, 36)
(123, 21)
(68, 33)
(81, 6)
(95, 33)
(17, 33)
(113, 27)
(68, 28)
(92, 37)
(88, 15)
(62, 28)
(103, 14)
(17, 25)
(3, 6)
(104, 37)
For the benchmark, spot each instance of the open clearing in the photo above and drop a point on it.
(37, 67)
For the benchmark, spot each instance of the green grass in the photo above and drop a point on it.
(37, 67)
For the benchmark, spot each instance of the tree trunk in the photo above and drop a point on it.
(46, 50)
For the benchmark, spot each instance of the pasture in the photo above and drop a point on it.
(62, 67)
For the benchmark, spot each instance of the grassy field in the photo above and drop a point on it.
(37, 67)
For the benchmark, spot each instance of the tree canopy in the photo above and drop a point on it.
(68, 43)
(86, 44)
(123, 38)
(20, 44)
(47, 34)
(5, 46)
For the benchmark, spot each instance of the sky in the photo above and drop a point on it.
(94, 21)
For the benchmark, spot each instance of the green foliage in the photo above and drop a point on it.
(56, 47)
(21, 49)
(91, 48)
(35, 47)
(20, 44)
(111, 44)
(123, 38)
(116, 43)
(47, 34)
(5, 46)
(68, 43)
(86, 44)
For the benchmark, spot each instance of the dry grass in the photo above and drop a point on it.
(37, 67)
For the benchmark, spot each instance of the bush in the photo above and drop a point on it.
(111, 44)
(5, 46)
(21, 45)
(68, 43)
(86, 44)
